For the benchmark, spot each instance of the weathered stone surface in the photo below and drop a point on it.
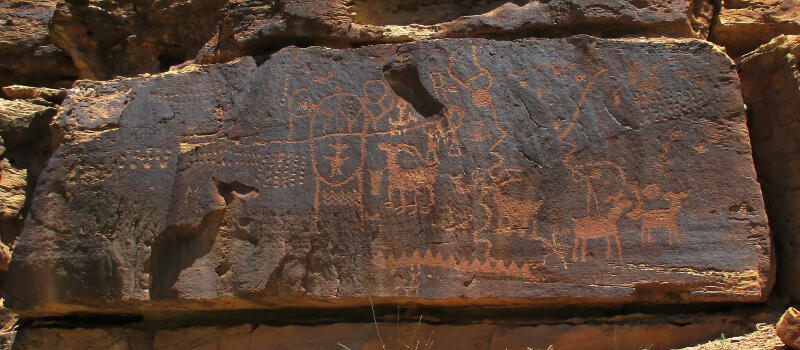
(443, 172)
(771, 88)
(647, 333)
(12, 191)
(744, 25)
(257, 27)
(788, 328)
(28, 56)
(125, 37)
(40, 95)
(23, 154)
(19, 114)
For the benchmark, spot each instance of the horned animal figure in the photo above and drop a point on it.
(511, 211)
(408, 182)
(599, 226)
(662, 218)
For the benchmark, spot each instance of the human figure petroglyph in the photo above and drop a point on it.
(408, 182)
(404, 117)
(478, 86)
(301, 105)
(336, 161)
(411, 288)
(666, 218)
(377, 102)
(554, 245)
(599, 226)
(337, 107)
(591, 196)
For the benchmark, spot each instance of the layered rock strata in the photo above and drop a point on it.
(618, 334)
(743, 25)
(125, 37)
(771, 88)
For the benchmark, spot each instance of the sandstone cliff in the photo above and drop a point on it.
(241, 172)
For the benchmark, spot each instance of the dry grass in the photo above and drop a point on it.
(412, 343)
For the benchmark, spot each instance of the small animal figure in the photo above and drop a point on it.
(513, 212)
(662, 218)
(599, 226)
(408, 182)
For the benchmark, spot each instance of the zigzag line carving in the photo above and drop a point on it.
(430, 258)
(349, 198)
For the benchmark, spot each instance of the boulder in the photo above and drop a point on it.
(788, 328)
(771, 89)
(445, 172)
(28, 54)
(744, 25)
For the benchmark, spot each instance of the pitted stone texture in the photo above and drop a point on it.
(443, 172)
(744, 25)
(771, 89)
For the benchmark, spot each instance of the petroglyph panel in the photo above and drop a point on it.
(452, 171)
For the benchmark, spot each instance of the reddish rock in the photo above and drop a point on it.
(127, 37)
(647, 333)
(27, 55)
(744, 25)
(771, 89)
(258, 28)
(38, 95)
(788, 328)
(24, 144)
(442, 172)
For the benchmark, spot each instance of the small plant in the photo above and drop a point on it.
(721, 343)
(412, 343)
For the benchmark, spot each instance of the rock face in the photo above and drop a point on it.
(559, 171)
(24, 147)
(744, 25)
(108, 38)
(363, 336)
(771, 88)
(256, 28)
(28, 55)
(124, 37)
